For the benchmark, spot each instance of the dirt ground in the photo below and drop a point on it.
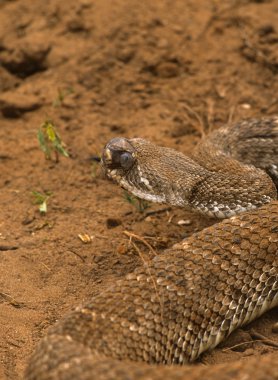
(162, 70)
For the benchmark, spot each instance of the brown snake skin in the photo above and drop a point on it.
(186, 301)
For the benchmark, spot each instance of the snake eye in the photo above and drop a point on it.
(118, 154)
(126, 160)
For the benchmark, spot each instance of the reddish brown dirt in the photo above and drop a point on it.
(157, 70)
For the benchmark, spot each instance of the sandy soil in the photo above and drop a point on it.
(161, 70)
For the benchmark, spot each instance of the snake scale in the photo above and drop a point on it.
(196, 293)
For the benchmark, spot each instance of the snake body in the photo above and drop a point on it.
(195, 294)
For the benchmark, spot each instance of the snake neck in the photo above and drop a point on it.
(230, 187)
(221, 196)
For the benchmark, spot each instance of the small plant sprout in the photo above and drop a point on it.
(140, 204)
(50, 141)
(41, 199)
(62, 94)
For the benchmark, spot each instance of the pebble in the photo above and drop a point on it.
(149, 219)
(167, 70)
(122, 249)
(246, 106)
(178, 29)
(184, 222)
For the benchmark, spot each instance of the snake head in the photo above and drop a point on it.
(118, 157)
(148, 171)
(126, 162)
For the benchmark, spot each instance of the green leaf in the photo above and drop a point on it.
(49, 140)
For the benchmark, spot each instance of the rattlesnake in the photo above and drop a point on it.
(195, 294)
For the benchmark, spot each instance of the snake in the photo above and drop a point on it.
(155, 322)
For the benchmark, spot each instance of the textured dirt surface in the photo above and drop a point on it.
(161, 70)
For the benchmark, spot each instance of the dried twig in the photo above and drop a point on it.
(210, 113)
(8, 248)
(199, 128)
(141, 239)
(255, 54)
(231, 114)
(265, 340)
(160, 211)
(77, 254)
(217, 14)
(7, 297)
(260, 337)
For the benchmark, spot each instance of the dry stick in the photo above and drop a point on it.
(45, 266)
(10, 299)
(231, 114)
(259, 57)
(160, 211)
(102, 237)
(210, 113)
(217, 15)
(263, 338)
(271, 104)
(8, 248)
(266, 341)
(140, 238)
(78, 255)
(200, 128)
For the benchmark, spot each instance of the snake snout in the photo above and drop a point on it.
(118, 153)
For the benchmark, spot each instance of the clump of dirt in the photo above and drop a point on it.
(163, 71)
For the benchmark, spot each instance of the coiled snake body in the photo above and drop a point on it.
(195, 294)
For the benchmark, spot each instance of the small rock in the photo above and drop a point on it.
(139, 87)
(28, 219)
(113, 222)
(122, 249)
(184, 222)
(178, 29)
(76, 25)
(167, 70)
(245, 106)
(149, 219)
(221, 91)
(125, 55)
(98, 259)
